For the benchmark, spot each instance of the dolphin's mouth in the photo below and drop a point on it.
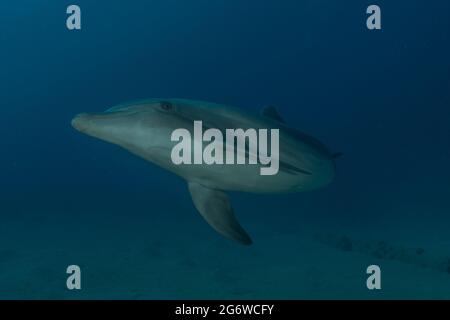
(91, 123)
(83, 121)
(79, 122)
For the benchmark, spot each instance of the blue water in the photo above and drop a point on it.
(382, 98)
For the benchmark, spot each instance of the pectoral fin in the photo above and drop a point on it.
(215, 208)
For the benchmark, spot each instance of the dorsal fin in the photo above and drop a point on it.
(336, 155)
(272, 113)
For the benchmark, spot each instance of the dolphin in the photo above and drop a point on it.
(144, 128)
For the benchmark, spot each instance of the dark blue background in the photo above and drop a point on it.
(380, 97)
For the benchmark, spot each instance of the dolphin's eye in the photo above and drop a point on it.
(166, 106)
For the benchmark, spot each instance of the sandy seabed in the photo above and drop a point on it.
(144, 258)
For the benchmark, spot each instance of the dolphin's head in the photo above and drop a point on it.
(139, 126)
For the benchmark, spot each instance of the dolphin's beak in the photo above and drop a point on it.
(79, 122)
(103, 126)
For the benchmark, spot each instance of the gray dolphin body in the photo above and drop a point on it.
(145, 127)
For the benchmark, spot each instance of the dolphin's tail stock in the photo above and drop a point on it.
(216, 209)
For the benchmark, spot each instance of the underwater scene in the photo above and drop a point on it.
(118, 163)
